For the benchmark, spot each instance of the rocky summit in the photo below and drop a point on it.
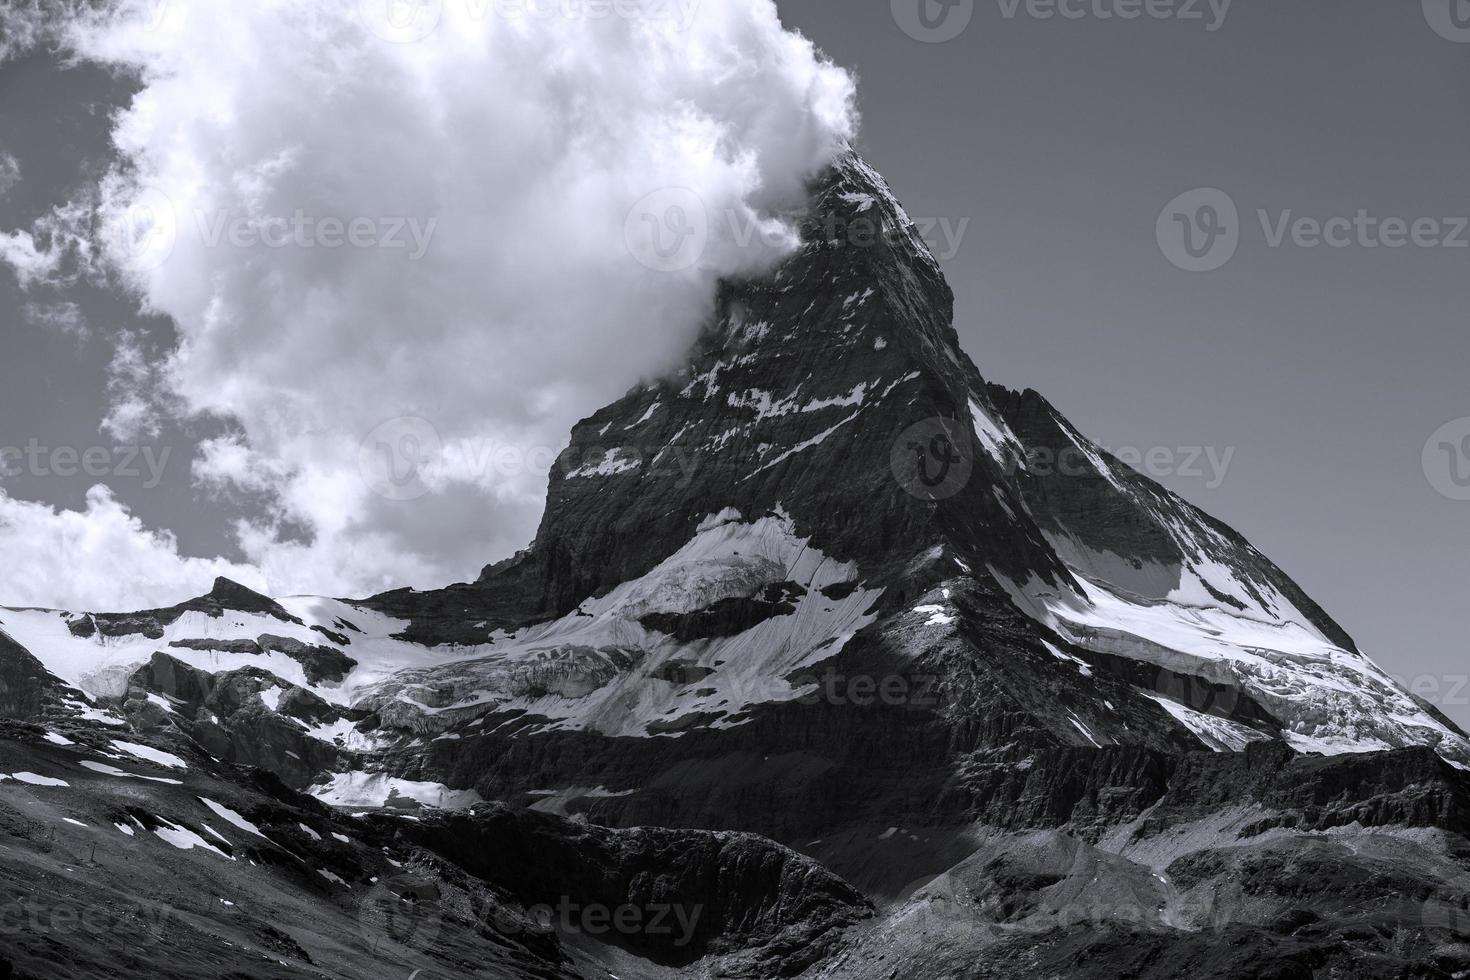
(829, 659)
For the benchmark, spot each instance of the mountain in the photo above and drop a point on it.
(887, 669)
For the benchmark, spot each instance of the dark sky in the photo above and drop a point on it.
(1327, 369)
(1054, 145)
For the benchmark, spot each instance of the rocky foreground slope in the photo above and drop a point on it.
(832, 656)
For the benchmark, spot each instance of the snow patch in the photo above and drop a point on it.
(150, 754)
(106, 770)
(233, 818)
(357, 789)
(185, 839)
(31, 779)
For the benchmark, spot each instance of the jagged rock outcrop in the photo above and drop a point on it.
(229, 715)
(25, 684)
(225, 596)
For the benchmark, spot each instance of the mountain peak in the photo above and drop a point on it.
(833, 392)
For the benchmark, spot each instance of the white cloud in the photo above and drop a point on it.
(138, 394)
(9, 172)
(22, 24)
(31, 263)
(63, 316)
(512, 150)
(100, 558)
(56, 250)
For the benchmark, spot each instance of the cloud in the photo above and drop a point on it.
(426, 243)
(23, 25)
(63, 316)
(57, 250)
(9, 172)
(138, 394)
(100, 558)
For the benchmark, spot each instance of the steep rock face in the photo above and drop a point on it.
(25, 684)
(1091, 504)
(246, 717)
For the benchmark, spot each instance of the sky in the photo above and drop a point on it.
(1312, 396)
